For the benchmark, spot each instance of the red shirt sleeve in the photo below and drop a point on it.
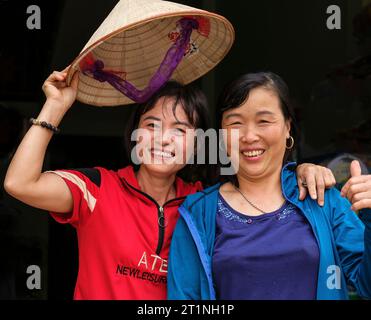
(84, 185)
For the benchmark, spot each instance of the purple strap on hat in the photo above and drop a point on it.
(172, 59)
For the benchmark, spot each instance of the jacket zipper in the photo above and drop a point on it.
(161, 222)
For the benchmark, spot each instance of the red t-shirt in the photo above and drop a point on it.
(123, 251)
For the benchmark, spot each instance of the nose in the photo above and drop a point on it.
(248, 134)
(166, 138)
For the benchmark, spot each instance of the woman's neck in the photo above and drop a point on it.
(264, 187)
(160, 188)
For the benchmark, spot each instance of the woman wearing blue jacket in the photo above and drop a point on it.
(250, 237)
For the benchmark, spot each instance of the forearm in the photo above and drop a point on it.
(26, 165)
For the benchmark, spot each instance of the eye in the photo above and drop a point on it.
(264, 121)
(153, 125)
(179, 131)
(237, 123)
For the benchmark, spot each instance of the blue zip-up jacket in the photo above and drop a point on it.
(343, 238)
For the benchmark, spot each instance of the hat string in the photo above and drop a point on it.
(95, 68)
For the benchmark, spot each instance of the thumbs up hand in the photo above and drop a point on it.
(358, 188)
(355, 169)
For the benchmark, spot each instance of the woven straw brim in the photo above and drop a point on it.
(139, 48)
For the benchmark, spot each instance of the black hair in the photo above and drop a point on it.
(194, 104)
(237, 92)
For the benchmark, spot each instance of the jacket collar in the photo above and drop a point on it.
(288, 183)
(183, 189)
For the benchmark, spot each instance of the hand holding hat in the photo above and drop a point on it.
(57, 92)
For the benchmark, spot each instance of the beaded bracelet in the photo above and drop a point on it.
(44, 124)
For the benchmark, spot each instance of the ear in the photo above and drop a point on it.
(288, 128)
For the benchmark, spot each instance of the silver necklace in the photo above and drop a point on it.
(249, 202)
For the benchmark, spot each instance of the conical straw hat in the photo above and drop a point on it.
(134, 40)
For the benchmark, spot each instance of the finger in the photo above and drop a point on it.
(311, 182)
(320, 184)
(352, 190)
(302, 189)
(55, 76)
(61, 85)
(55, 80)
(352, 181)
(356, 190)
(58, 85)
(65, 70)
(360, 196)
(344, 189)
(330, 180)
(362, 204)
(55, 83)
(75, 80)
(355, 169)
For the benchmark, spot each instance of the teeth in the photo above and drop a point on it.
(254, 153)
(163, 154)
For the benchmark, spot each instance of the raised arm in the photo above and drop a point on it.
(353, 239)
(24, 179)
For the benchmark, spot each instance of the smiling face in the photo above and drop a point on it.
(166, 137)
(263, 132)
